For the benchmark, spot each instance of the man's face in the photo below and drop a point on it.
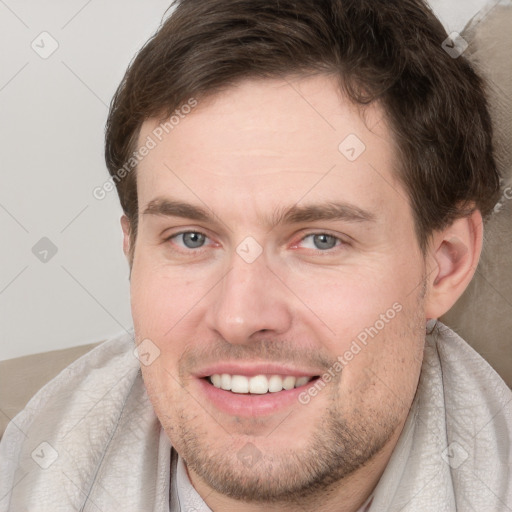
(305, 264)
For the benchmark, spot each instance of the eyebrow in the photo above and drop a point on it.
(292, 215)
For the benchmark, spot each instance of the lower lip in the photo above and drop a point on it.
(247, 405)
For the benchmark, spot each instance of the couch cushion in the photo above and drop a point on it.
(22, 377)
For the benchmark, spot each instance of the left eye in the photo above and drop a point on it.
(321, 241)
(190, 239)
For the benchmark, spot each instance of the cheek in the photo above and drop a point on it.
(161, 296)
(163, 392)
(386, 369)
(166, 309)
(374, 323)
(349, 300)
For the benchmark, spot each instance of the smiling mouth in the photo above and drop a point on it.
(258, 384)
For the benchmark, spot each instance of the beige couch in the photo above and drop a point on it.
(22, 377)
(483, 315)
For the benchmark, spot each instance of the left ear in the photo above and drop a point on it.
(125, 225)
(453, 256)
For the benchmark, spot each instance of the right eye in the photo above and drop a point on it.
(189, 239)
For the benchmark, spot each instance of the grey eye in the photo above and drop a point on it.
(324, 241)
(192, 239)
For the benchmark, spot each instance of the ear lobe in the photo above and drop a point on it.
(454, 257)
(125, 224)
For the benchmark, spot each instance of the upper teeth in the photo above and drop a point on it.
(259, 384)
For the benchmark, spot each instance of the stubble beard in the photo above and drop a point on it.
(337, 448)
(340, 443)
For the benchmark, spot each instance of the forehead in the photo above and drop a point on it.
(263, 143)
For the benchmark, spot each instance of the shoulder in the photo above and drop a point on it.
(463, 368)
(84, 398)
(477, 417)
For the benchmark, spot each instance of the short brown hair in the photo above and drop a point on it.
(388, 51)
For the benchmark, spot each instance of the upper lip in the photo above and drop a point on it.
(251, 369)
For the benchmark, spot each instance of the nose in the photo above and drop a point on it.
(249, 300)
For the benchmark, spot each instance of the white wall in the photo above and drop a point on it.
(456, 13)
(53, 112)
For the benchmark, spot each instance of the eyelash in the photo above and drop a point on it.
(339, 242)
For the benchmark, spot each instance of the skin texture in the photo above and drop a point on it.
(245, 155)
